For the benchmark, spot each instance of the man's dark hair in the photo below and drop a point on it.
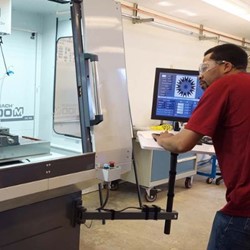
(230, 53)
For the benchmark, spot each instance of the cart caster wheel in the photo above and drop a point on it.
(188, 182)
(209, 180)
(114, 185)
(152, 197)
(217, 181)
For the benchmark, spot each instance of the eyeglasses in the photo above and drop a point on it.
(204, 67)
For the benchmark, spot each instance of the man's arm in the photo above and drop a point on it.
(182, 142)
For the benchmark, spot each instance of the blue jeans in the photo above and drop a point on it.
(229, 233)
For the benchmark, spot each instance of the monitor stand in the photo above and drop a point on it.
(176, 126)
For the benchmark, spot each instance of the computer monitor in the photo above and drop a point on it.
(176, 94)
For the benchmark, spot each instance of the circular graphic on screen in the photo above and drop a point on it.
(185, 86)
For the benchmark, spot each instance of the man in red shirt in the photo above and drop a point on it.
(223, 113)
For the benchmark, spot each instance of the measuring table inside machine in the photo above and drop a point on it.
(27, 147)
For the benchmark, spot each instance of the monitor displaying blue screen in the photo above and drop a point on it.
(176, 94)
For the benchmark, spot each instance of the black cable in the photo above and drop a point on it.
(59, 1)
(106, 199)
(119, 211)
(137, 208)
(136, 177)
(88, 226)
(1, 42)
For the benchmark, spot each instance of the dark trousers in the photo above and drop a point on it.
(229, 233)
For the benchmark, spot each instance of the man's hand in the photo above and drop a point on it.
(161, 135)
(182, 142)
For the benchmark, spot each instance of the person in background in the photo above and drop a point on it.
(223, 113)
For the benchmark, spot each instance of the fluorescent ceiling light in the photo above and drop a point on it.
(186, 12)
(237, 8)
(164, 3)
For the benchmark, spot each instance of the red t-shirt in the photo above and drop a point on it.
(224, 114)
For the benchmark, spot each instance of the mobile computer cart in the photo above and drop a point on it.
(152, 166)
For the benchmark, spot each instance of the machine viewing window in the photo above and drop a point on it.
(176, 94)
(66, 111)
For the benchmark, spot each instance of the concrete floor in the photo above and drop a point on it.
(196, 208)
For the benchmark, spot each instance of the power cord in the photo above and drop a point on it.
(8, 72)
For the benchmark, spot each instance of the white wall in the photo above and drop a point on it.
(148, 47)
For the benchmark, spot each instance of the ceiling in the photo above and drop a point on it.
(201, 13)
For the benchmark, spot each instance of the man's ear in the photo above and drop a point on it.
(228, 67)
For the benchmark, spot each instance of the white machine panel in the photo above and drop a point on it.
(103, 36)
(5, 17)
